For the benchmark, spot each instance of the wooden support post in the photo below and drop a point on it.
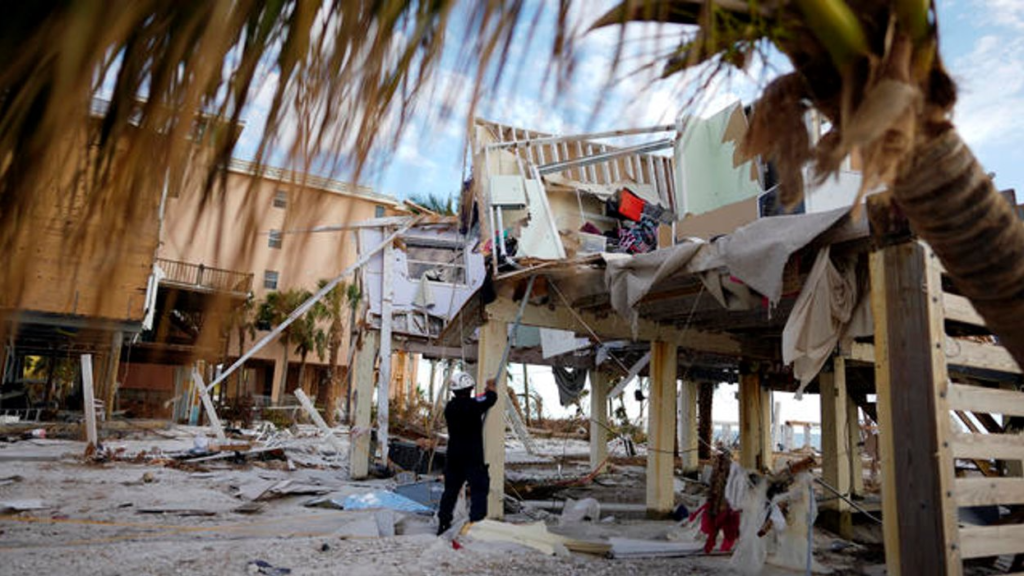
(755, 421)
(661, 423)
(598, 420)
(492, 342)
(919, 509)
(362, 399)
(384, 378)
(110, 374)
(835, 451)
(856, 450)
(413, 375)
(688, 425)
(430, 384)
(89, 402)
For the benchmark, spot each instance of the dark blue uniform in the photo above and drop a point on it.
(465, 458)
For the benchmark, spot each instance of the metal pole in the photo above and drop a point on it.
(577, 137)
(305, 306)
(515, 327)
(606, 156)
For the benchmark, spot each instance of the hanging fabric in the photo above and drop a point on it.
(570, 383)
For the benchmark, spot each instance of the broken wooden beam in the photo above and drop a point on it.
(211, 412)
(318, 420)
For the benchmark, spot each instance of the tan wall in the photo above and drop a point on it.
(81, 251)
(231, 231)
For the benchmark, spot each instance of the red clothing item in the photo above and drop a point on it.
(728, 522)
(630, 205)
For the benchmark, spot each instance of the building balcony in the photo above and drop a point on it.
(202, 278)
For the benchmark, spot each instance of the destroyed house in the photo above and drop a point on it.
(725, 287)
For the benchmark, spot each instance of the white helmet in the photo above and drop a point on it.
(460, 381)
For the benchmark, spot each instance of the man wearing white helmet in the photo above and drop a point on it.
(464, 463)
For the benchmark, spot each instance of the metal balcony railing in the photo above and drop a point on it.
(205, 277)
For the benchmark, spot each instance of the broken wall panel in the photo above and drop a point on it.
(436, 271)
(709, 171)
(548, 220)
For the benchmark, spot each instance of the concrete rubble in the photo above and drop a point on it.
(173, 500)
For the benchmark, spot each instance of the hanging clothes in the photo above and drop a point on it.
(570, 383)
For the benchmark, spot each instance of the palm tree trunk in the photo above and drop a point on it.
(302, 372)
(333, 378)
(953, 205)
(239, 374)
(284, 371)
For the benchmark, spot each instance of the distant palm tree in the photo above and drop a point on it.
(331, 308)
(275, 307)
(308, 338)
(443, 205)
(242, 320)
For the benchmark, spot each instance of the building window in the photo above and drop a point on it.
(270, 278)
(275, 239)
(280, 199)
(379, 213)
(436, 261)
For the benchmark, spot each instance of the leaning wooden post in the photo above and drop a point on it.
(362, 399)
(834, 450)
(688, 425)
(918, 504)
(89, 402)
(211, 411)
(661, 424)
(755, 421)
(110, 374)
(318, 420)
(491, 347)
(598, 420)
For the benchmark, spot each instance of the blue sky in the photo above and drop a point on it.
(982, 43)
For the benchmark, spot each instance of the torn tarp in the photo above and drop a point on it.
(821, 316)
(570, 383)
(757, 253)
(630, 278)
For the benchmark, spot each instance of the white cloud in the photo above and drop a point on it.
(991, 91)
(1008, 13)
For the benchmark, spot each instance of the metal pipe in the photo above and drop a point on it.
(607, 156)
(591, 136)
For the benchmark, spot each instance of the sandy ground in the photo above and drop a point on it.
(90, 522)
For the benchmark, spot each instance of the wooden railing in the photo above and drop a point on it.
(208, 277)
